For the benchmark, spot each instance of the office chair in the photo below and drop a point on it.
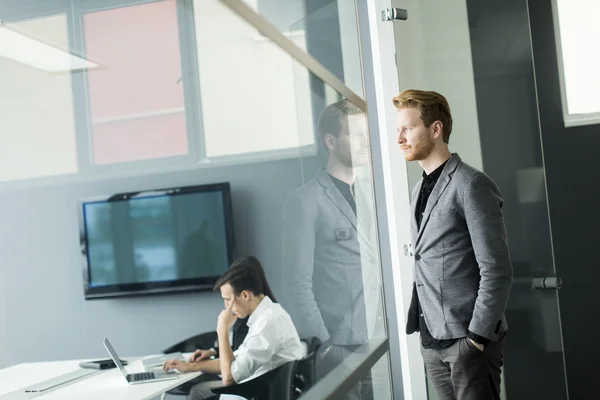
(273, 385)
(288, 381)
(205, 340)
(305, 375)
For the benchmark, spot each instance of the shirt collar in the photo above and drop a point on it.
(264, 304)
(339, 182)
(435, 174)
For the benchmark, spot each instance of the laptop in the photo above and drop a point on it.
(142, 377)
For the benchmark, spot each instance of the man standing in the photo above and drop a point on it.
(331, 276)
(462, 270)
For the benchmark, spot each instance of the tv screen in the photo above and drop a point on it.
(165, 240)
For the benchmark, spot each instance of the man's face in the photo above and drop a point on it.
(351, 146)
(415, 139)
(240, 303)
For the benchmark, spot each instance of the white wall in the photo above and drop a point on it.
(48, 318)
(433, 52)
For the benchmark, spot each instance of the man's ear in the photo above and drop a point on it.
(329, 140)
(245, 295)
(437, 129)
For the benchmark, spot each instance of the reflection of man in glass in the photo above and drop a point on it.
(325, 247)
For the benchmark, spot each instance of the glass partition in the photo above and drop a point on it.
(505, 85)
(186, 92)
(331, 32)
(330, 29)
(331, 269)
(241, 67)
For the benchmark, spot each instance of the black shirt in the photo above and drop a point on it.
(428, 341)
(346, 191)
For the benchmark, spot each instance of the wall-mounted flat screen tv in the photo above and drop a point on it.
(156, 241)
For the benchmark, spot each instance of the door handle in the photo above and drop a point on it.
(548, 282)
(390, 14)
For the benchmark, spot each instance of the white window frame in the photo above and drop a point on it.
(570, 120)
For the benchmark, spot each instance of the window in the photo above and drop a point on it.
(254, 98)
(577, 34)
(37, 126)
(136, 102)
(142, 84)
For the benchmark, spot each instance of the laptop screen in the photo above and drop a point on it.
(115, 357)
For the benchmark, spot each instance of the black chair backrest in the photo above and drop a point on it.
(306, 371)
(281, 386)
(273, 385)
(204, 340)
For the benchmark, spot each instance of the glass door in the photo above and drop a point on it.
(508, 119)
(330, 274)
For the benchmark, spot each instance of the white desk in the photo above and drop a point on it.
(107, 384)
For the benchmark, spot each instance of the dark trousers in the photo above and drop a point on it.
(463, 372)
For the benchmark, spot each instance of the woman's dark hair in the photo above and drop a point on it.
(246, 273)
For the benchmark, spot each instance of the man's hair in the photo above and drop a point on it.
(330, 121)
(246, 273)
(431, 106)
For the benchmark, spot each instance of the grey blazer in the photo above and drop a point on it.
(321, 271)
(462, 270)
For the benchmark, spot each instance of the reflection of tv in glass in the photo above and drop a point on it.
(166, 240)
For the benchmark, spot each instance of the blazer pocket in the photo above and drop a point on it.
(458, 299)
(443, 211)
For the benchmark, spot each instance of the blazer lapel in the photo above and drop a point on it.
(437, 192)
(336, 197)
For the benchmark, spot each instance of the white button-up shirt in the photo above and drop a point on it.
(272, 340)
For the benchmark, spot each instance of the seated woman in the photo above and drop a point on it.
(271, 340)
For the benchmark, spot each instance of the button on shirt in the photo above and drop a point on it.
(272, 341)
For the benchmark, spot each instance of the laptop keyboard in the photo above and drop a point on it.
(142, 376)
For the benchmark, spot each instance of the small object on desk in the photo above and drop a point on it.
(59, 380)
(100, 364)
